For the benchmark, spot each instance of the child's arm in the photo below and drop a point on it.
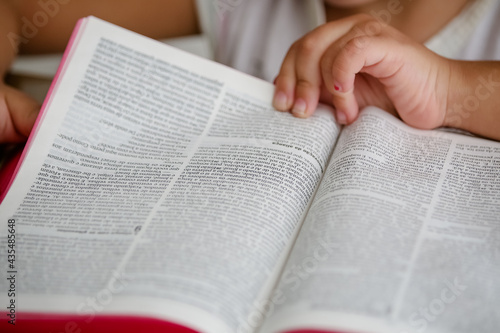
(474, 98)
(358, 61)
(154, 18)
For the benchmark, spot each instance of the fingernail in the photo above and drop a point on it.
(279, 101)
(341, 118)
(299, 108)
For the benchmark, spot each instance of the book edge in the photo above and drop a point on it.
(12, 172)
(43, 322)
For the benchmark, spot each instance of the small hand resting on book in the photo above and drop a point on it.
(358, 61)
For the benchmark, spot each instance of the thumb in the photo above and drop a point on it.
(18, 113)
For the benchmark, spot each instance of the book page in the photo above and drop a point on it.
(402, 236)
(162, 181)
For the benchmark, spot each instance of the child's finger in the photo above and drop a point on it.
(308, 80)
(367, 54)
(18, 113)
(298, 84)
(307, 66)
(285, 83)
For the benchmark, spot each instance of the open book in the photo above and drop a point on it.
(161, 192)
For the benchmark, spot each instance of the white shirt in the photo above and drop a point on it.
(253, 36)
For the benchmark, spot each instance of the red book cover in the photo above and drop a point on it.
(29, 323)
(8, 169)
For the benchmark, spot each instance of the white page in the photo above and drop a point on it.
(402, 235)
(193, 197)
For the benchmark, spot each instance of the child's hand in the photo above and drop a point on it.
(359, 61)
(18, 113)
